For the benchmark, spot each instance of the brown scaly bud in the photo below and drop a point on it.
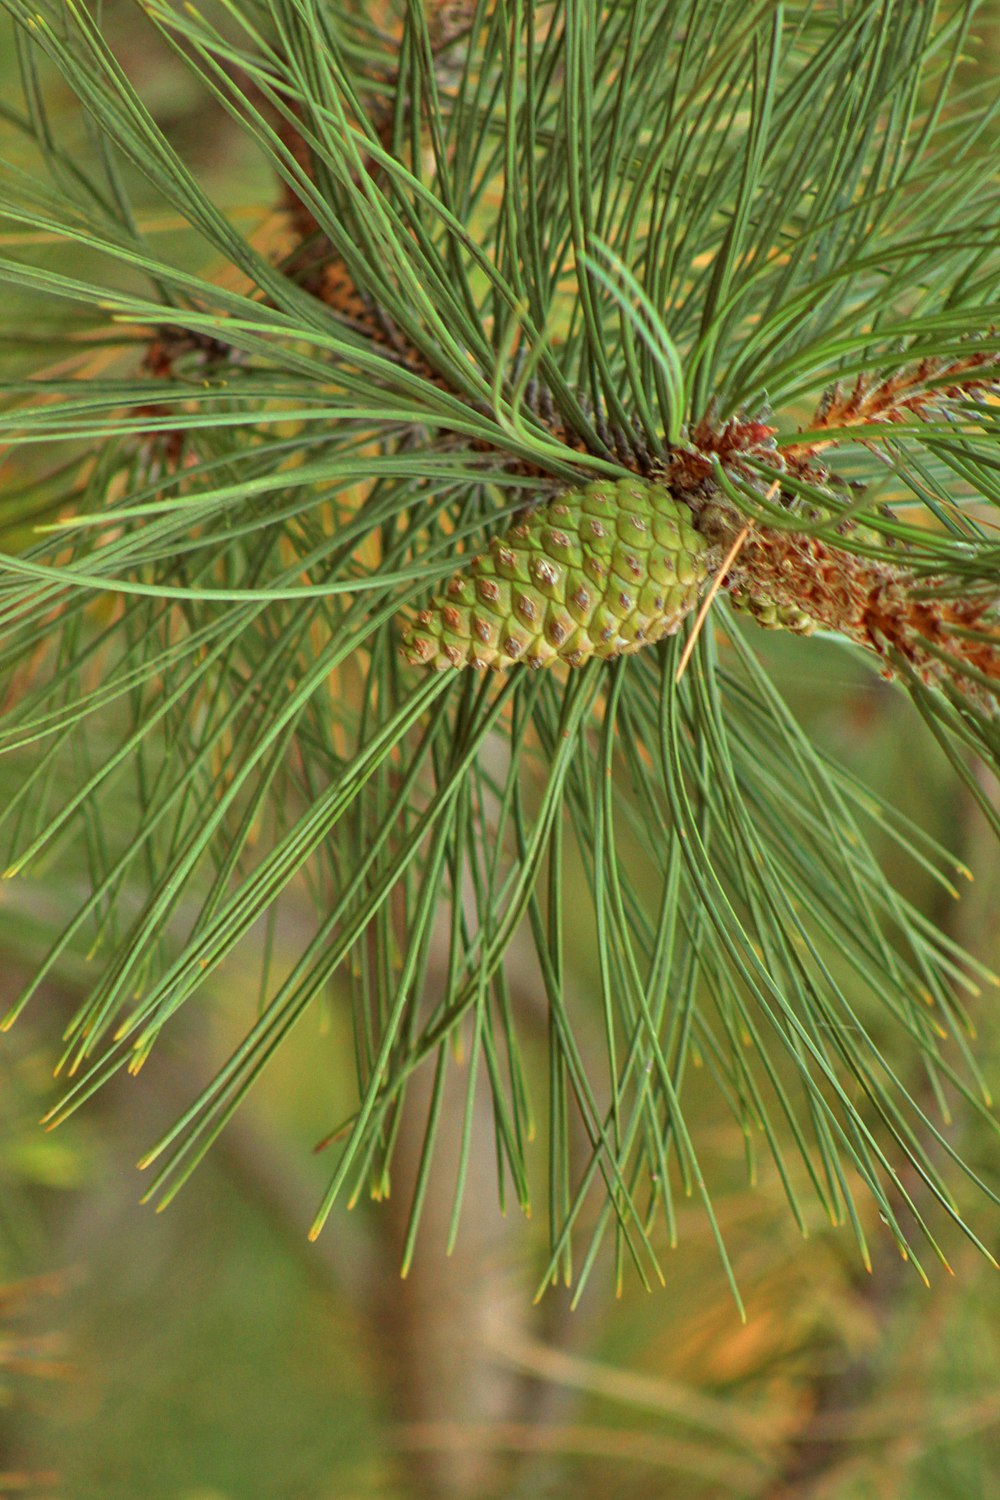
(920, 389)
(946, 639)
(802, 583)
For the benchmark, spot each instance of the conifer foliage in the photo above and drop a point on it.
(577, 335)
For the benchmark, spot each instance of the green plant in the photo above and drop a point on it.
(531, 246)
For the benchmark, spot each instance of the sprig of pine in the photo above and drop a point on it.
(519, 255)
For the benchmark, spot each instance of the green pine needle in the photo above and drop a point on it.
(651, 213)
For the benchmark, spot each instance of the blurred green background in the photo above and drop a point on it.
(212, 1353)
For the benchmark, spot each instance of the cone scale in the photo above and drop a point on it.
(601, 571)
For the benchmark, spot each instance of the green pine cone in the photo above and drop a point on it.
(601, 571)
(770, 614)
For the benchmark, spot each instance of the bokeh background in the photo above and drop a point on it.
(212, 1353)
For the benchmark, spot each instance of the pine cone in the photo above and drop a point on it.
(601, 571)
(772, 614)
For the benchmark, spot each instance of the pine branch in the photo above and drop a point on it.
(782, 581)
(530, 266)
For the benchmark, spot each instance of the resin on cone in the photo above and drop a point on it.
(601, 571)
